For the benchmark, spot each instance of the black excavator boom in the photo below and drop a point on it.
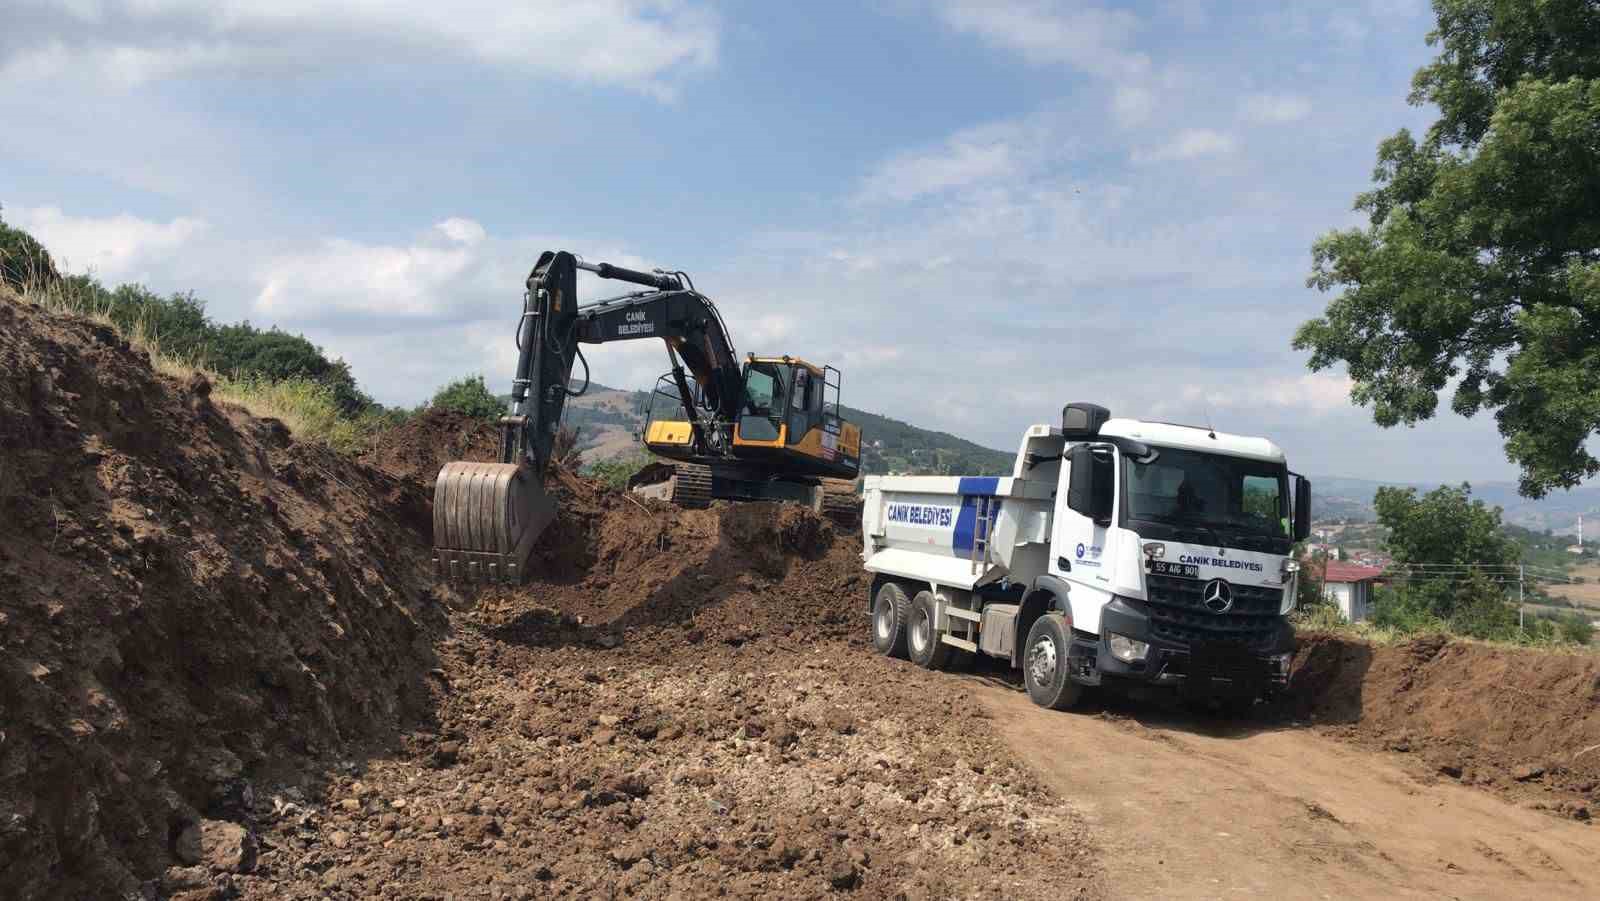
(486, 516)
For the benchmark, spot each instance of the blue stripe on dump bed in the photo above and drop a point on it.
(973, 487)
(979, 484)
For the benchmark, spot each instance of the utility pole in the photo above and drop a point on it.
(1520, 571)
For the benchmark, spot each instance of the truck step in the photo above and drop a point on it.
(967, 615)
(961, 643)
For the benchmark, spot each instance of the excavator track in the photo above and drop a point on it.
(691, 487)
(840, 502)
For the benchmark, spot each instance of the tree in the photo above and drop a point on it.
(24, 262)
(1434, 538)
(1481, 262)
(470, 396)
(1443, 527)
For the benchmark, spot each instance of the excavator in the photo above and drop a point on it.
(765, 428)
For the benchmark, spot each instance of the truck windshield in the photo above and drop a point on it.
(1185, 487)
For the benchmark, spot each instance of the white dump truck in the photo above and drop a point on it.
(1117, 552)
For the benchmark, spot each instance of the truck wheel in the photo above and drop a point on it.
(889, 610)
(922, 638)
(1044, 664)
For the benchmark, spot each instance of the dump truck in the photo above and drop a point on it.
(1143, 555)
(765, 428)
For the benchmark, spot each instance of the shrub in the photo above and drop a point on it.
(470, 396)
(615, 473)
(24, 262)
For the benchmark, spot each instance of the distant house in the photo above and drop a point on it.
(1574, 548)
(1350, 586)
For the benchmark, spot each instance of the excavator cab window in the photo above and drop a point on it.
(765, 400)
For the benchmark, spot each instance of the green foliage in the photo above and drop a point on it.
(1482, 258)
(1541, 549)
(1447, 528)
(1309, 588)
(24, 262)
(1444, 526)
(616, 472)
(1560, 626)
(470, 396)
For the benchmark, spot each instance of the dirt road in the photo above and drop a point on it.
(1185, 807)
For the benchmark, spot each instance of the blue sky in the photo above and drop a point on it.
(978, 210)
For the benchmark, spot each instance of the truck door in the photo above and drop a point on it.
(1085, 516)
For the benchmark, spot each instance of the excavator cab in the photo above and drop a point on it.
(790, 414)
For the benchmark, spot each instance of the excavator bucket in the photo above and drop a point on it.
(485, 519)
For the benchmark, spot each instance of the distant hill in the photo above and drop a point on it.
(1336, 497)
(609, 421)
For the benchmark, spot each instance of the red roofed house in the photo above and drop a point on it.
(1350, 586)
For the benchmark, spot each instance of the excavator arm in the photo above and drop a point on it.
(487, 515)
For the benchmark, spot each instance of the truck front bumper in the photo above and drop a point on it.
(1208, 668)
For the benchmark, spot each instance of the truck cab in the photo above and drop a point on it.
(1118, 551)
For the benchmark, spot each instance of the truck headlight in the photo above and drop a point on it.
(1126, 649)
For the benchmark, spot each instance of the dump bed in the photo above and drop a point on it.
(966, 531)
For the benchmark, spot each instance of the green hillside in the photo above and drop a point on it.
(892, 446)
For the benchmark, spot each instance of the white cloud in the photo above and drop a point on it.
(1090, 38)
(114, 248)
(461, 231)
(1132, 104)
(639, 43)
(990, 154)
(1274, 108)
(1311, 393)
(965, 159)
(1189, 144)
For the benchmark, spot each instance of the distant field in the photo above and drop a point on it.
(1587, 594)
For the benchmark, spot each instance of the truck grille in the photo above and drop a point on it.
(1178, 613)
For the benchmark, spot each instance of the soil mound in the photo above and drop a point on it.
(417, 448)
(1519, 720)
(189, 601)
(619, 569)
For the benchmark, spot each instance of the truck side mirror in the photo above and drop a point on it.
(1302, 508)
(1089, 486)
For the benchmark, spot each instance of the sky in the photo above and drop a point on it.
(979, 210)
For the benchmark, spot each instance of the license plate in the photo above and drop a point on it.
(1182, 570)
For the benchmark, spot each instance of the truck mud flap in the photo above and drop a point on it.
(485, 519)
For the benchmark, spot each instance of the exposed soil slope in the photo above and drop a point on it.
(1520, 721)
(186, 598)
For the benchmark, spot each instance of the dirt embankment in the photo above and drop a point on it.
(1518, 721)
(189, 604)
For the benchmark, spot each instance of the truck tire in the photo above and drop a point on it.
(922, 638)
(889, 609)
(1044, 664)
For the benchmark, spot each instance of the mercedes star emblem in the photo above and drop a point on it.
(1217, 596)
